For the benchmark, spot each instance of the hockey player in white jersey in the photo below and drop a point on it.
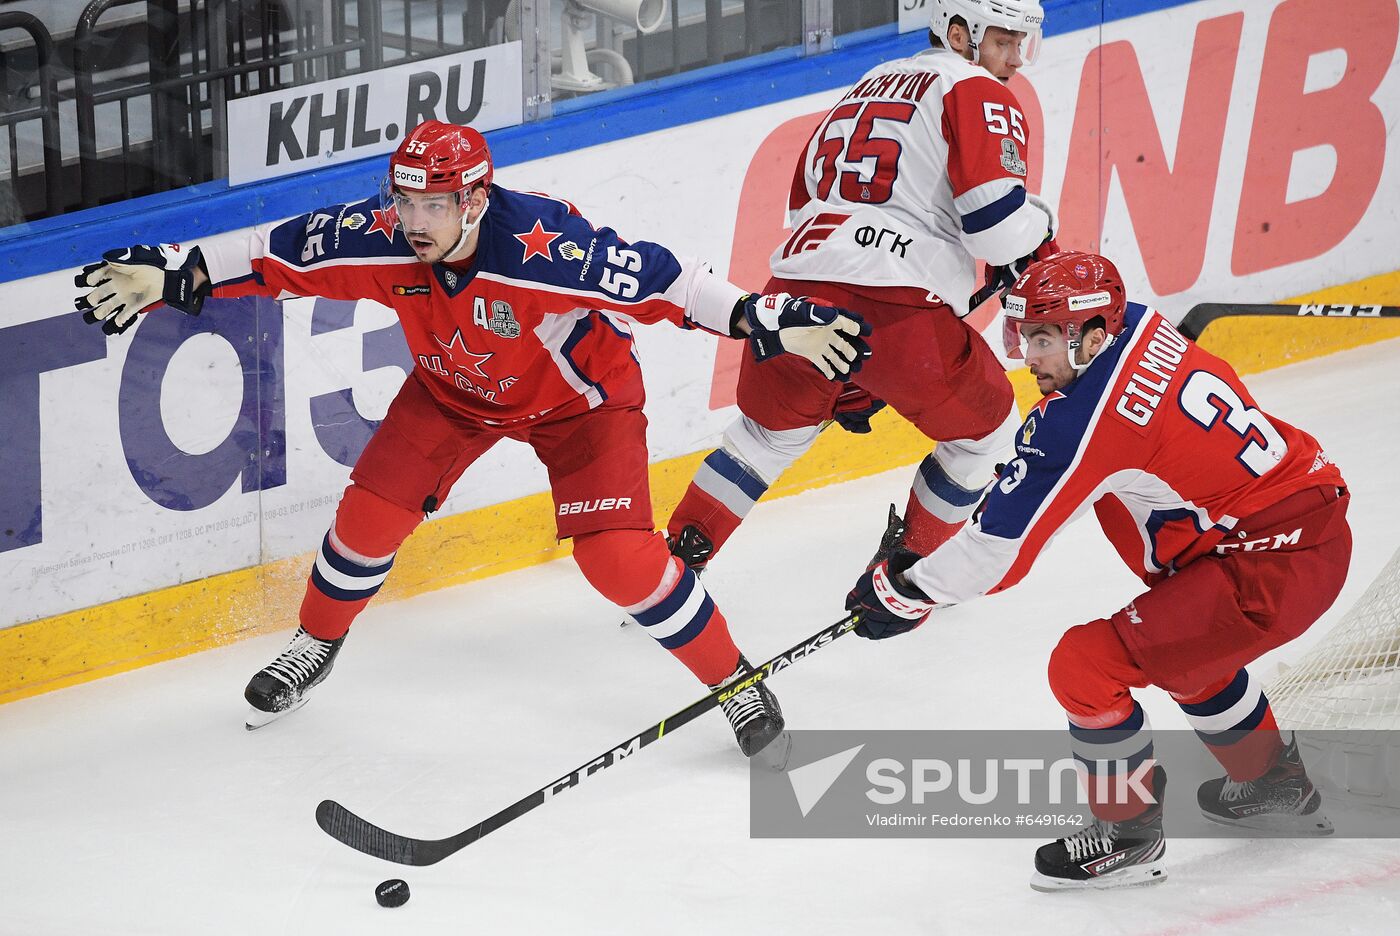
(917, 172)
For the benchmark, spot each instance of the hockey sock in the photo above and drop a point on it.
(1236, 722)
(353, 560)
(634, 569)
(722, 493)
(938, 507)
(1118, 761)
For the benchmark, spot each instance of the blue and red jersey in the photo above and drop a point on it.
(536, 324)
(1160, 437)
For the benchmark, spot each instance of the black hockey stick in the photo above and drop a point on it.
(1202, 315)
(346, 827)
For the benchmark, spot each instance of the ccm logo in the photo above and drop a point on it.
(592, 506)
(411, 177)
(1279, 541)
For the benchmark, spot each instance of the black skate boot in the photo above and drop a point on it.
(891, 541)
(1107, 854)
(1283, 801)
(692, 547)
(754, 715)
(283, 685)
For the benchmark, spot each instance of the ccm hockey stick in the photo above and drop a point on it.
(1202, 315)
(346, 827)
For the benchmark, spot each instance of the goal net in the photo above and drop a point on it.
(1344, 696)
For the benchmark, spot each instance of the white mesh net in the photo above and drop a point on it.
(1351, 680)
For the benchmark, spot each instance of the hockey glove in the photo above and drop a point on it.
(132, 280)
(831, 338)
(883, 607)
(998, 279)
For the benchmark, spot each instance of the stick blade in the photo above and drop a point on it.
(349, 829)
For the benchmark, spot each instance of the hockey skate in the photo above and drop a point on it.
(891, 541)
(282, 686)
(1283, 801)
(1103, 854)
(757, 720)
(691, 547)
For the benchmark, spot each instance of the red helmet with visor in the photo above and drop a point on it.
(1066, 290)
(437, 158)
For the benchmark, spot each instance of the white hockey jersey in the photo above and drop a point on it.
(916, 173)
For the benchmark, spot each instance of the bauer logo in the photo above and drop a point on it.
(595, 506)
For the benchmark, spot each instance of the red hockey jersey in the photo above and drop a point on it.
(536, 326)
(1160, 436)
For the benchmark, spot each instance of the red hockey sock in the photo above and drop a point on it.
(1236, 722)
(923, 532)
(353, 560)
(721, 495)
(634, 570)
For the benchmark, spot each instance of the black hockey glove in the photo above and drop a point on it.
(832, 339)
(883, 607)
(998, 279)
(857, 421)
(132, 280)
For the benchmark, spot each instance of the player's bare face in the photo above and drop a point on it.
(1000, 52)
(1047, 356)
(432, 223)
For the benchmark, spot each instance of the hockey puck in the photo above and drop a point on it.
(392, 893)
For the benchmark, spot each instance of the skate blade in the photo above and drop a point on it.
(1153, 872)
(1316, 824)
(775, 753)
(257, 718)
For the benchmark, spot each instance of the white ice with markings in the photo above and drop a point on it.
(140, 805)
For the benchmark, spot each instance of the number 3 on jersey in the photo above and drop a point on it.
(1205, 398)
(851, 157)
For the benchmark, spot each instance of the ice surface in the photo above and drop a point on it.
(140, 805)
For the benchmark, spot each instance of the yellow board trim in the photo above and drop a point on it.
(122, 635)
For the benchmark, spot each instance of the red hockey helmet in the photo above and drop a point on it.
(1066, 289)
(434, 161)
(440, 157)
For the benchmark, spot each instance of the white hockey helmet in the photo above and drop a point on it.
(1023, 16)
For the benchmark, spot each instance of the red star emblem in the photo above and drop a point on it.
(537, 241)
(462, 358)
(384, 222)
(1047, 400)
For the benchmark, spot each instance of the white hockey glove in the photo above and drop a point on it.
(831, 338)
(132, 280)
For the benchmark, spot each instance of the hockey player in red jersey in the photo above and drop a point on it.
(516, 312)
(917, 172)
(1234, 519)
